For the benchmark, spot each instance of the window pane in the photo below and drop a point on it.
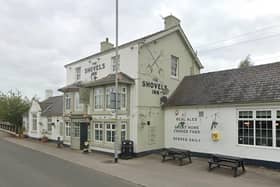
(263, 114)
(245, 132)
(277, 124)
(246, 114)
(278, 114)
(264, 132)
(174, 66)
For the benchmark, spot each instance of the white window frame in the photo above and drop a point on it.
(49, 125)
(174, 74)
(78, 71)
(76, 130)
(123, 130)
(98, 127)
(67, 129)
(277, 125)
(34, 122)
(67, 102)
(110, 95)
(111, 130)
(98, 98)
(78, 105)
(273, 118)
(123, 97)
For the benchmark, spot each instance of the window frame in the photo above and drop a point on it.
(112, 132)
(49, 125)
(76, 129)
(124, 130)
(110, 96)
(78, 71)
(98, 94)
(67, 102)
(78, 105)
(277, 129)
(67, 129)
(34, 122)
(98, 127)
(172, 65)
(266, 119)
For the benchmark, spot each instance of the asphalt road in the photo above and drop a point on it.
(24, 167)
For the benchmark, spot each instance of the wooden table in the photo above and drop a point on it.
(234, 163)
(176, 154)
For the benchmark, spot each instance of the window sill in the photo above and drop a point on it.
(259, 147)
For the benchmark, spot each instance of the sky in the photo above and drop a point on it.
(38, 37)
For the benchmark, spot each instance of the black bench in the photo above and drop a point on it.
(176, 154)
(227, 161)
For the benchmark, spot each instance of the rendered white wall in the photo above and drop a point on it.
(227, 126)
(128, 65)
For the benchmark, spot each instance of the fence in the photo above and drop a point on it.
(8, 127)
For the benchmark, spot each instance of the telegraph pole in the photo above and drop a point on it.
(116, 84)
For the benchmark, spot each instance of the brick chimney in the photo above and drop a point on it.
(105, 45)
(171, 21)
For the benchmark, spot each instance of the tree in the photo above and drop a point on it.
(247, 62)
(12, 107)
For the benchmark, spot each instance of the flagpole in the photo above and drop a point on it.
(116, 83)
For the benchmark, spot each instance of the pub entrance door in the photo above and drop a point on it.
(83, 134)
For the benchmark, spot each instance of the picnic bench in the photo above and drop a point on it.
(227, 161)
(176, 154)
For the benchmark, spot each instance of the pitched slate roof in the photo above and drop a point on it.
(257, 84)
(53, 106)
(110, 79)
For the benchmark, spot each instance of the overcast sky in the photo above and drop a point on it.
(38, 37)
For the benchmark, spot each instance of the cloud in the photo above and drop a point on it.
(38, 37)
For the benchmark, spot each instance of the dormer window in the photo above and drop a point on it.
(78, 73)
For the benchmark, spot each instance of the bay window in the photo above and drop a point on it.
(98, 98)
(78, 105)
(111, 98)
(67, 102)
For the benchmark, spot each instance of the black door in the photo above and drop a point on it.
(83, 134)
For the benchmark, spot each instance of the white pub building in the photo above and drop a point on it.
(165, 102)
(150, 68)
